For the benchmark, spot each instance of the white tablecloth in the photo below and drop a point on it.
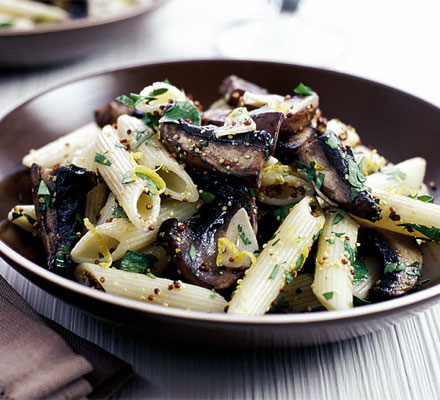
(395, 43)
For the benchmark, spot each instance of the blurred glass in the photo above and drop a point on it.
(282, 30)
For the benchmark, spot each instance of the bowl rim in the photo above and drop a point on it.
(316, 317)
(86, 22)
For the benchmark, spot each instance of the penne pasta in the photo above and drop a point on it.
(62, 150)
(346, 133)
(121, 235)
(282, 256)
(334, 270)
(141, 138)
(361, 287)
(24, 217)
(137, 194)
(37, 12)
(150, 289)
(406, 215)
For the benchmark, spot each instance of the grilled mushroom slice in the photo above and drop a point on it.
(336, 175)
(402, 260)
(59, 197)
(194, 246)
(242, 156)
(232, 88)
(287, 148)
(301, 111)
(109, 114)
(266, 119)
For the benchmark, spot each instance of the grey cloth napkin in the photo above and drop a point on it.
(40, 359)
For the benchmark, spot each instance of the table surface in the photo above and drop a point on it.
(395, 43)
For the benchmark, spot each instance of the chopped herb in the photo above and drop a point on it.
(151, 185)
(244, 239)
(423, 197)
(274, 271)
(127, 178)
(360, 271)
(282, 212)
(394, 267)
(60, 262)
(212, 296)
(151, 275)
(118, 212)
(192, 252)
(339, 234)
(266, 153)
(44, 194)
(158, 92)
(16, 215)
(393, 173)
(276, 241)
(66, 249)
(142, 138)
(73, 237)
(134, 99)
(311, 172)
(204, 143)
(79, 218)
(120, 145)
(102, 159)
(207, 197)
(338, 218)
(414, 272)
(377, 201)
(432, 233)
(317, 235)
(333, 141)
(181, 110)
(6, 24)
(356, 178)
(252, 192)
(328, 295)
(20, 197)
(239, 228)
(424, 282)
(299, 262)
(303, 90)
(330, 241)
(289, 277)
(151, 120)
(360, 302)
(280, 305)
(134, 261)
(319, 180)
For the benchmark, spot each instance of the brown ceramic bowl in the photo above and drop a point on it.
(400, 125)
(61, 42)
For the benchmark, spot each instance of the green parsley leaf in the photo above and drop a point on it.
(393, 173)
(118, 212)
(319, 180)
(338, 218)
(244, 239)
(134, 261)
(127, 178)
(158, 92)
(333, 141)
(330, 241)
(192, 252)
(276, 241)
(207, 197)
(102, 159)
(16, 215)
(339, 234)
(317, 235)
(289, 277)
(142, 138)
(152, 188)
(60, 261)
(66, 249)
(6, 24)
(394, 267)
(204, 143)
(360, 271)
(239, 228)
(360, 302)
(44, 195)
(303, 90)
(299, 262)
(181, 110)
(274, 271)
(423, 197)
(328, 295)
(282, 212)
(432, 233)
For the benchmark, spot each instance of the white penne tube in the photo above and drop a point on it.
(140, 202)
(106, 212)
(167, 93)
(279, 186)
(179, 184)
(333, 285)
(37, 12)
(369, 160)
(297, 296)
(121, 235)
(61, 150)
(346, 133)
(406, 215)
(24, 217)
(85, 157)
(151, 290)
(408, 174)
(284, 254)
(361, 288)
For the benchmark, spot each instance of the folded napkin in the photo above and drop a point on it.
(41, 359)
